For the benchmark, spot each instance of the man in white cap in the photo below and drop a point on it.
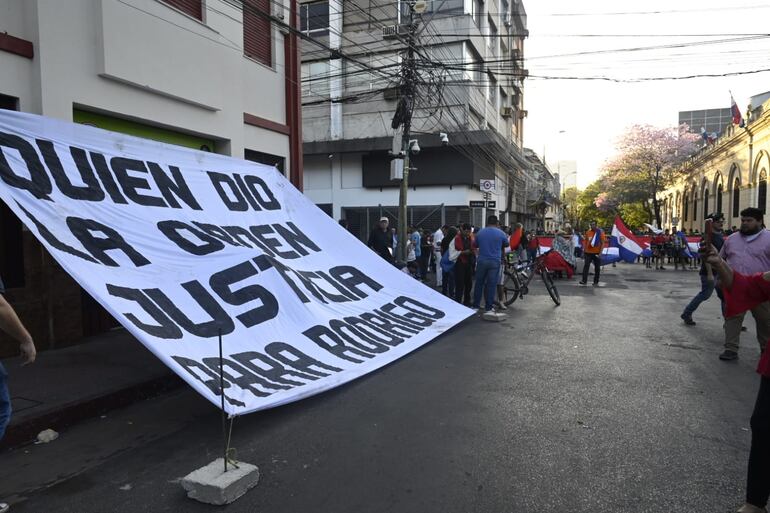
(381, 241)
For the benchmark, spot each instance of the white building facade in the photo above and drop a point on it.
(348, 106)
(184, 67)
(213, 75)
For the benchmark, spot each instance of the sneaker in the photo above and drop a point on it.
(4, 508)
(687, 320)
(750, 508)
(500, 306)
(728, 355)
(582, 283)
(595, 284)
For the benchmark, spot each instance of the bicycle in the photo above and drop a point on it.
(519, 275)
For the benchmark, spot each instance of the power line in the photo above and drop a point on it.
(660, 11)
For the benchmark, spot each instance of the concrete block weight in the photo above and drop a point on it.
(212, 485)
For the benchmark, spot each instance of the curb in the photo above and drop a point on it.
(67, 415)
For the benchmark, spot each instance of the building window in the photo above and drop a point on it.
(762, 196)
(736, 198)
(314, 18)
(192, 8)
(473, 65)
(257, 31)
(686, 209)
(477, 12)
(493, 92)
(695, 206)
(719, 198)
(315, 79)
(11, 232)
(266, 158)
(9, 102)
(705, 203)
(492, 40)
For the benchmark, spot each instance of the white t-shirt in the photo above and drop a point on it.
(437, 238)
(410, 256)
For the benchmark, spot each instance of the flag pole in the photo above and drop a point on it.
(222, 397)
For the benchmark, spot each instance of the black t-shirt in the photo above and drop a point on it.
(380, 241)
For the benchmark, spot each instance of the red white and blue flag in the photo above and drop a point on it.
(708, 137)
(596, 240)
(628, 247)
(737, 117)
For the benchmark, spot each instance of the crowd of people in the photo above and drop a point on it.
(456, 256)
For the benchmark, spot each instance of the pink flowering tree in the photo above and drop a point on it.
(648, 162)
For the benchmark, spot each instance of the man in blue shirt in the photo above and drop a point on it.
(491, 242)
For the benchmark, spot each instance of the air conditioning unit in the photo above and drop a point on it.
(394, 31)
(397, 169)
(523, 114)
(506, 112)
(524, 72)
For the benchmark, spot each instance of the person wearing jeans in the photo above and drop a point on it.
(10, 324)
(491, 243)
(706, 285)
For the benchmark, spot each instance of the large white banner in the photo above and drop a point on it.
(180, 245)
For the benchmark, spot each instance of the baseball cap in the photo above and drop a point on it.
(382, 219)
(716, 216)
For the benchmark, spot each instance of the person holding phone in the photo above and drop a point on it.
(747, 252)
(744, 292)
(707, 282)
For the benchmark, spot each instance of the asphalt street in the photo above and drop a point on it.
(608, 403)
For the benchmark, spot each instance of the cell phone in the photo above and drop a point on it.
(709, 232)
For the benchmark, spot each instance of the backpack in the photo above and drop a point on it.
(446, 264)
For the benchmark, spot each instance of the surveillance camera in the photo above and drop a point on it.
(414, 146)
(444, 138)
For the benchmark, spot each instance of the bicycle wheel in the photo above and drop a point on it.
(511, 287)
(550, 286)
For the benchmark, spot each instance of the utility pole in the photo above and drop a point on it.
(407, 98)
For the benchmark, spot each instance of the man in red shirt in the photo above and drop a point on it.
(742, 293)
(463, 243)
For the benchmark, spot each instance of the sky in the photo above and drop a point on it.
(582, 119)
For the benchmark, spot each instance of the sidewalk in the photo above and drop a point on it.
(68, 385)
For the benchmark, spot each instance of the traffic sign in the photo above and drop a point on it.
(482, 204)
(487, 185)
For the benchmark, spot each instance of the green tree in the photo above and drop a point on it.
(648, 162)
